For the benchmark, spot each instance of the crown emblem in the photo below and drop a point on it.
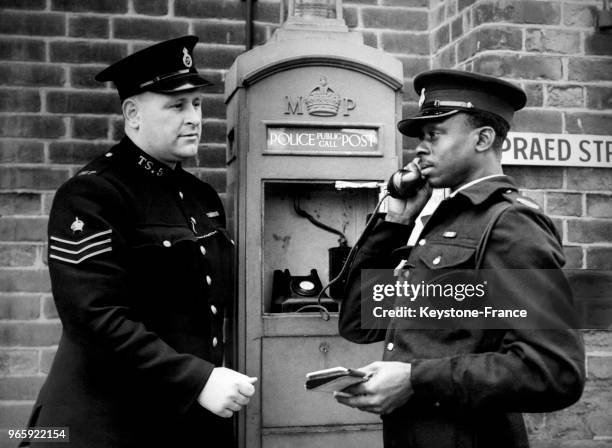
(77, 225)
(322, 101)
(422, 98)
(187, 58)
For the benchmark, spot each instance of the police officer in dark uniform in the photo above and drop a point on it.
(140, 266)
(465, 387)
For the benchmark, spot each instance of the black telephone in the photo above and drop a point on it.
(304, 293)
(296, 293)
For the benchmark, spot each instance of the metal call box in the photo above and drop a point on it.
(311, 134)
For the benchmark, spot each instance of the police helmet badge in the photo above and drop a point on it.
(187, 58)
(422, 98)
(77, 225)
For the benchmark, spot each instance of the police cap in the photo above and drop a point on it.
(446, 92)
(166, 67)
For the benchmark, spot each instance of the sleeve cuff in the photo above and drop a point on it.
(387, 236)
(200, 377)
(431, 380)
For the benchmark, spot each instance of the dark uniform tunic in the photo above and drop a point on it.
(140, 269)
(470, 386)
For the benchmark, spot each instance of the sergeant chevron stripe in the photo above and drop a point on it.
(79, 250)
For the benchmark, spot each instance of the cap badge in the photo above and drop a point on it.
(77, 225)
(187, 58)
(422, 98)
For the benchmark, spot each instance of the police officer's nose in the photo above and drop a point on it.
(422, 148)
(194, 116)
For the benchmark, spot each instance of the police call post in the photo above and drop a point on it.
(483, 299)
(321, 139)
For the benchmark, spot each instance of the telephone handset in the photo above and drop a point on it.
(404, 183)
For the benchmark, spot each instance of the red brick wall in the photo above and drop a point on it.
(54, 118)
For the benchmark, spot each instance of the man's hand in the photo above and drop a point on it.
(405, 211)
(226, 391)
(387, 389)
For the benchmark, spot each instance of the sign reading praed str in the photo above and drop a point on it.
(525, 148)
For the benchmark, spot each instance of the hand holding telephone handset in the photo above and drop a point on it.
(409, 191)
(406, 182)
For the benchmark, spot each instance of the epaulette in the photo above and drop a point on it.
(97, 165)
(515, 197)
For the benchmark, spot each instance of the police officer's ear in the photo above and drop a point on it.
(131, 113)
(485, 138)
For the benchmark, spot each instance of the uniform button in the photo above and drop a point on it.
(422, 242)
(215, 342)
(437, 404)
(390, 346)
(203, 250)
(167, 243)
(208, 280)
(508, 191)
(437, 260)
(109, 154)
(213, 309)
(181, 194)
(233, 242)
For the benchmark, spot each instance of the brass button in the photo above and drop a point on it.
(437, 260)
(215, 342)
(437, 404)
(203, 250)
(181, 194)
(167, 243)
(208, 280)
(109, 154)
(390, 346)
(422, 242)
(213, 309)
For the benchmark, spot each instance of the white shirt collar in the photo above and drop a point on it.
(474, 182)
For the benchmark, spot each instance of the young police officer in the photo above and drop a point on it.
(140, 267)
(465, 387)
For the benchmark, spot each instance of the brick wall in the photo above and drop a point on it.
(54, 118)
(551, 49)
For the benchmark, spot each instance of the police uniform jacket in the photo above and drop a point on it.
(470, 385)
(140, 270)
